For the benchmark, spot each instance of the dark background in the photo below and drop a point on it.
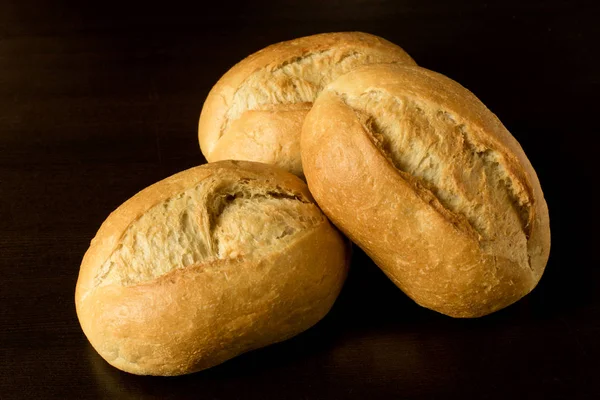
(97, 101)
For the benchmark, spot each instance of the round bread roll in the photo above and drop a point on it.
(428, 182)
(205, 265)
(256, 110)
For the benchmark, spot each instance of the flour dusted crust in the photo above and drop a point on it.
(205, 265)
(256, 110)
(422, 176)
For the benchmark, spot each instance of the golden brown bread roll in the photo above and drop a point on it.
(424, 178)
(256, 110)
(205, 265)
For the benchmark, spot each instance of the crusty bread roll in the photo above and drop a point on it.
(424, 178)
(205, 265)
(256, 110)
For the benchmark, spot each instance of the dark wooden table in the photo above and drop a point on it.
(99, 101)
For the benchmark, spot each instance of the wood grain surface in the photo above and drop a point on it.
(99, 100)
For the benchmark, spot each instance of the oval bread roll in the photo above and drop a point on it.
(425, 179)
(256, 110)
(205, 265)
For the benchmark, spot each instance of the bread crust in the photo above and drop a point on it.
(433, 243)
(279, 83)
(197, 316)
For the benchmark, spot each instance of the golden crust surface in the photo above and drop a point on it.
(255, 111)
(205, 265)
(422, 176)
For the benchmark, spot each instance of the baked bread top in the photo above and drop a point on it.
(256, 110)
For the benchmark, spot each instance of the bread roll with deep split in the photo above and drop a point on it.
(208, 264)
(256, 110)
(414, 169)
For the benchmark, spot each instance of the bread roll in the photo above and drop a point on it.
(256, 110)
(431, 185)
(205, 265)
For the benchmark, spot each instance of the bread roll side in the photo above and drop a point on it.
(194, 318)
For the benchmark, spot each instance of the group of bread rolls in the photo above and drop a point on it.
(232, 255)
